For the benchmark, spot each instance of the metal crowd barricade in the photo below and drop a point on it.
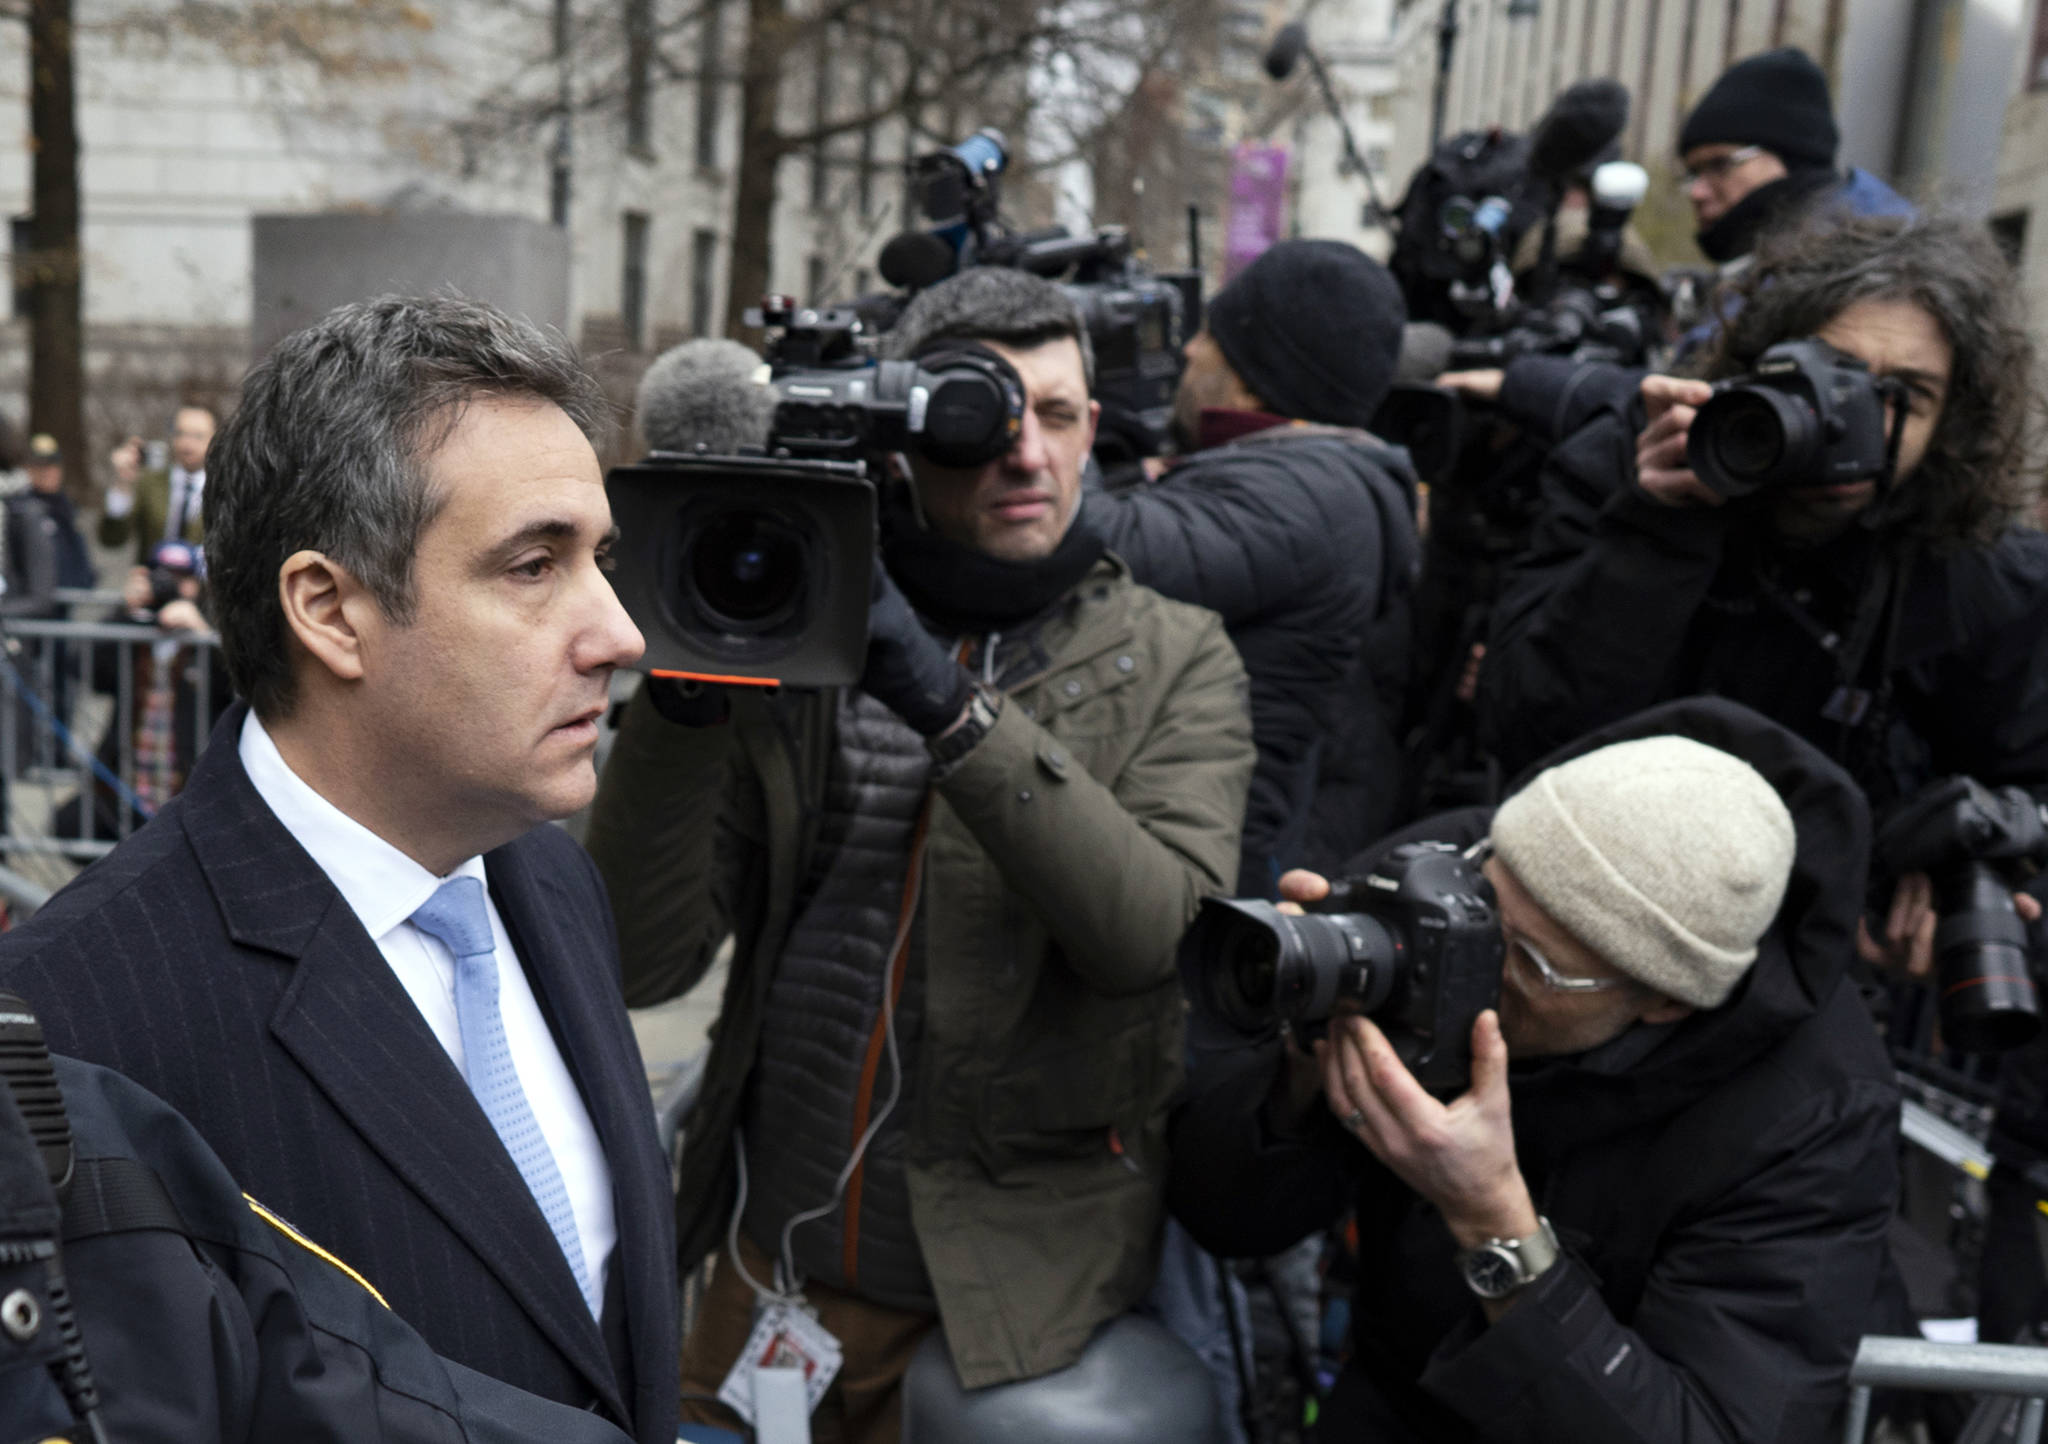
(73, 695)
(2010, 1371)
(2011, 1379)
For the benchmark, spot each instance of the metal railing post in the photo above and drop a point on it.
(1859, 1415)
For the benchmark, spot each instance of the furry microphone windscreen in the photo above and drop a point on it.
(709, 394)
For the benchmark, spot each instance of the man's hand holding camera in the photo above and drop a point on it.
(909, 671)
(1459, 1156)
(1671, 403)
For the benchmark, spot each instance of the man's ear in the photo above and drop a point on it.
(324, 606)
(1094, 421)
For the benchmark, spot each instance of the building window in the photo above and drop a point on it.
(21, 232)
(861, 280)
(2010, 231)
(708, 82)
(2037, 63)
(866, 161)
(640, 76)
(703, 275)
(821, 113)
(814, 281)
(633, 281)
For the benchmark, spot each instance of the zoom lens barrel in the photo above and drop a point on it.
(1750, 437)
(1988, 999)
(1261, 966)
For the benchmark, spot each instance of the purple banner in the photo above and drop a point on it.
(1258, 203)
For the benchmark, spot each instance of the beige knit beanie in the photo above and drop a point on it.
(1665, 856)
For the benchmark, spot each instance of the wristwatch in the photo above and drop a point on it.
(1499, 1266)
(984, 705)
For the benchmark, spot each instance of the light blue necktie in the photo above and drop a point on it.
(455, 914)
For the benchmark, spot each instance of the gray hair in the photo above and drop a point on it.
(706, 393)
(992, 303)
(328, 452)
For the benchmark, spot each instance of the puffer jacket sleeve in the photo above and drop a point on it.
(1241, 533)
(1748, 1321)
(1115, 872)
(656, 831)
(1594, 612)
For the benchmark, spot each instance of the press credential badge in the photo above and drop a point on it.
(784, 1337)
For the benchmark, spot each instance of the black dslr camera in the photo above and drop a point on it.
(1809, 415)
(1965, 835)
(1415, 945)
(758, 569)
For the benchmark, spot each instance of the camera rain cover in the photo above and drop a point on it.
(749, 570)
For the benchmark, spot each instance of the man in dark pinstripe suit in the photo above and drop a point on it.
(350, 953)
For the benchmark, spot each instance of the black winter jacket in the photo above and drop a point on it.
(1721, 1186)
(1620, 602)
(1303, 539)
(204, 1316)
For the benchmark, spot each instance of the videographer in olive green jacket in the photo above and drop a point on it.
(969, 873)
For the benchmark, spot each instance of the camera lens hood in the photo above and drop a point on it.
(1748, 437)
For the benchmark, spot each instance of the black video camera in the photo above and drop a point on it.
(1964, 835)
(759, 569)
(1136, 318)
(1415, 945)
(1808, 416)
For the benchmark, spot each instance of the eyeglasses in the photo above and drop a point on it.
(1717, 166)
(1560, 982)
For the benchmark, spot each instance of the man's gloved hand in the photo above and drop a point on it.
(909, 671)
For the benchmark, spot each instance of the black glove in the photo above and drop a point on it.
(1958, 818)
(909, 670)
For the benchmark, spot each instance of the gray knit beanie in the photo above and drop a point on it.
(1665, 856)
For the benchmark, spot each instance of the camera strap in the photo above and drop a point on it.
(1850, 703)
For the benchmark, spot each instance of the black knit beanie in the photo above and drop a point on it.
(1778, 100)
(1314, 329)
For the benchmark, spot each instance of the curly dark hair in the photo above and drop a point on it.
(1978, 475)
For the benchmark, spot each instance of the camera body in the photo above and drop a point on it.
(1808, 415)
(759, 569)
(1415, 945)
(1961, 832)
(1136, 318)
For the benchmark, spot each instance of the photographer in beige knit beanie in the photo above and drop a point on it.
(1633, 884)
(1659, 1209)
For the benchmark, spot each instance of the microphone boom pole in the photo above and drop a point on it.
(1292, 43)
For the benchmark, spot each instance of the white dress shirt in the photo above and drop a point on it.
(385, 887)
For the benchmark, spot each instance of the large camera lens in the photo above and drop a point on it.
(1261, 966)
(745, 569)
(1750, 437)
(1988, 1000)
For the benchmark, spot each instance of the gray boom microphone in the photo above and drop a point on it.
(1285, 51)
(706, 395)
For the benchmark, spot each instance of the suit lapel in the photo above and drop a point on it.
(349, 1023)
(569, 965)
